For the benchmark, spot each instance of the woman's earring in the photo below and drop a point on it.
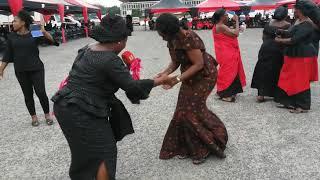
(119, 42)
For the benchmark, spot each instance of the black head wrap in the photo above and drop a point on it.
(280, 13)
(310, 9)
(111, 29)
(168, 24)
(218, 15)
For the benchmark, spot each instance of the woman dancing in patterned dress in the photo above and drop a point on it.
(194, 131)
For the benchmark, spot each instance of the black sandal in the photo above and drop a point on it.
(182, 156)
(35, 123)
(298, 111)
(49, 122)
(231, 100)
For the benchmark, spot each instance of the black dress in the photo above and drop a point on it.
(300, 67)
(90, 116)
(270, 60)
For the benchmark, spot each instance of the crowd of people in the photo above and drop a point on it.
(93, 119)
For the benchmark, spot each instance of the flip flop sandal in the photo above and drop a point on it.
(49, 122)
(35, 123)
(298, 111)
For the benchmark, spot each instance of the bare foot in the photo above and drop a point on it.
(260, 99)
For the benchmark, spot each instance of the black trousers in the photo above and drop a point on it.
(33, 80)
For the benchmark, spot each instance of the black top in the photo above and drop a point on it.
(23, 51)
(94, 79)
(302, 41)
(269, 31)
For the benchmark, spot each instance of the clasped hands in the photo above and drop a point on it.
(166, 80)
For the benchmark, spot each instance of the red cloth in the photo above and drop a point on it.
(99, 14)
(229, 58)
(297, 73)
(15, 6)
(46, 18)
(200, 25)
(189, 24)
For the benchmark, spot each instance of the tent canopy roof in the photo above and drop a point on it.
(212, 5)
(81, 3)
(262, 4)
(169, 6)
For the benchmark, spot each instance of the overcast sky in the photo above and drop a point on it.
(108, 3)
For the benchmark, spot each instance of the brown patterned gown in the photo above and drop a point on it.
(193, 126)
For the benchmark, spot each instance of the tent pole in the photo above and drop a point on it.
(9, 23)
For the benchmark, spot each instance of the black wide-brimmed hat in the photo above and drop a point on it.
(111, 29)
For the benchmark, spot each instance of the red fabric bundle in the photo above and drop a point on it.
(133, 63)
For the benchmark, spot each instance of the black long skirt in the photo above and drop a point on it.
(90, 139)
(267, 71)
(300, 100)
(232, 90)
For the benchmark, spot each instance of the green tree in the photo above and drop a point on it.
(136, 13)
(113, 10)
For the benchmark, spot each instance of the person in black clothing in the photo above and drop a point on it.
(22, 50)
(90, 115)
(151, 24)
(270, 58)
(129, 24)
(300, 62)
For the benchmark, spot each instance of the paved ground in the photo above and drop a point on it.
(265, 142)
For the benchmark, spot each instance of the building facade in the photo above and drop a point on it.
(127, 7)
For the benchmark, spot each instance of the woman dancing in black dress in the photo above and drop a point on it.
(90, 116)
(270, 59)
